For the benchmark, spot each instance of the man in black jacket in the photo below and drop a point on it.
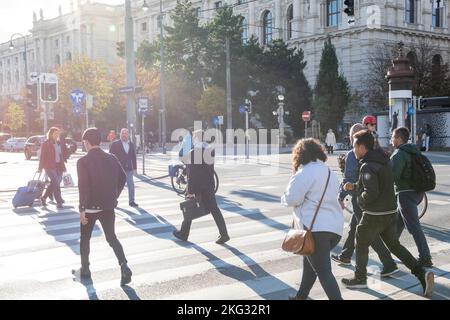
(125, 151)
(376, 198)
(100, 182)
(201, 185)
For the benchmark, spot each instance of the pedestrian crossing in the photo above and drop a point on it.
(39, 247)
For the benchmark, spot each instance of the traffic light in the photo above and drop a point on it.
(349, 7)
(49, 92)
(32, 96)
(248, 105)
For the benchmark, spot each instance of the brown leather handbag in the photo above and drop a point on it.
(301, 242)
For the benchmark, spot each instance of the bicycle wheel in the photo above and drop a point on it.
(179, 181)
(423, 206)
(216, 182)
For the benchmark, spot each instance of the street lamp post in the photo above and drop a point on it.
(11, 47)
(162, 81)
(130, 68)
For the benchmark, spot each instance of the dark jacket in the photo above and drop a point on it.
(100, 180)
(375, 188)
(128, 161)
(200, 170)
(47, 160)
(401, 166)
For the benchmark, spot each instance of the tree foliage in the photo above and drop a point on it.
(14, 117)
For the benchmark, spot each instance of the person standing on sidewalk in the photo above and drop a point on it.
(351, 174)
(52, 161)
(125, 151)
(408, 198)
(303, 194)
(100, 181)
(330, 141)
(201, 185)
(427, 137)
(376, 197)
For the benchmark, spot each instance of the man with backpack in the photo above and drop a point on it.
(413, 176)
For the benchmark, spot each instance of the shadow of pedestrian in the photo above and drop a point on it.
(90, 289)
(436, 232)
(130, 292)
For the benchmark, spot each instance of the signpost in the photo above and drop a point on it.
(143, 108)
(47, 91)
(306, 116)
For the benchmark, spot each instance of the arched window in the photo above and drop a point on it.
(438, 13)
(412, 58)
(69, 56)
(333, 12)
(58, 60)
(17, 79)
(290, 18)
(436, 65)
(244, 23)
(267, 27)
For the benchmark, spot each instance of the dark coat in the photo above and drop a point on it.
(47, 160)
(375, 189)
(128, 161)
(200, 170)
(100, 180)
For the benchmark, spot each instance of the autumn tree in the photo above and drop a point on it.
(14, 117)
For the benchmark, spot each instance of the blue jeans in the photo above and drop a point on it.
(55, 177)
(318, 265)
(130, 185)
(407, 204)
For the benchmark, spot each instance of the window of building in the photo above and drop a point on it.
(333, 12)
(242, 1)
(290, 18)
(68, 40)
(244, 30)
(57, 43)
(217, 4)
(1, 64)
(267, 27)
(144, 26)
(411, 9)
(58, 60)
(197, 11)
(438, 13)
(69, 56)
(16, 60)
(412, 58)
(8, 62)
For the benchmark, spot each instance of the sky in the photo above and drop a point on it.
(16, 16)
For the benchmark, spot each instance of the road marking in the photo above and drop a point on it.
(439, 202)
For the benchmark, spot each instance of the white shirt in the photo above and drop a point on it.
(126, 146)
(303, 194)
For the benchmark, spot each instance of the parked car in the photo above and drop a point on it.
(15, 144)
(3, 138)
(33, 147)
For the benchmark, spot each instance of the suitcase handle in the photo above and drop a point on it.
(39, 177)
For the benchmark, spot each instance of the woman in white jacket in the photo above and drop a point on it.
(303, 194)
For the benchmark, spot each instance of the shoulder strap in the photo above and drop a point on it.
(321, 200)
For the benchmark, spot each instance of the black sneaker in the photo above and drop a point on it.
(82, 273)
(126, 274)
(134, 204)
(292, 298)
(59, 206)
(426, 263)
(427, 281)
(177, 234)
(43, 201)
(223, 239)
(340, 260)
(355, 283)
(389, 271)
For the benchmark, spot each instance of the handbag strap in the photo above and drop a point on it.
(321, 200)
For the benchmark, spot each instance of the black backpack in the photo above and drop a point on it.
(423, 177)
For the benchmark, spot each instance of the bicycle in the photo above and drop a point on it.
(180, 182)
(421, 208)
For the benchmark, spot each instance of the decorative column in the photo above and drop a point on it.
(278, 19)
(298, 13)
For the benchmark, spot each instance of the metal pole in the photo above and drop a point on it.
(130, 68)
(143, 144)
(162, 81)
(229, 105)
(247, 155)
(306, 129)
(27, 111)
(45, 118)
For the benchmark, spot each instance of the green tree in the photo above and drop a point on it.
(14, 117)
(212, 103)
(331, 94)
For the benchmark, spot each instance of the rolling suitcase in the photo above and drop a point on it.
(25, 196)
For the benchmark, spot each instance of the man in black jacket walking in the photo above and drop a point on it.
(125, 151)
(100, 182)
(376, 198)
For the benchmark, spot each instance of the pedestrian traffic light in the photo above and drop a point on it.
(49, 92)
(32, 96)
(349, 7)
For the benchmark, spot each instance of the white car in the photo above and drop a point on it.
(14, 144)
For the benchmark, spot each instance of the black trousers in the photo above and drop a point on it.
(330, 149)
(209, 201)
(371, 227)
(107, 220)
